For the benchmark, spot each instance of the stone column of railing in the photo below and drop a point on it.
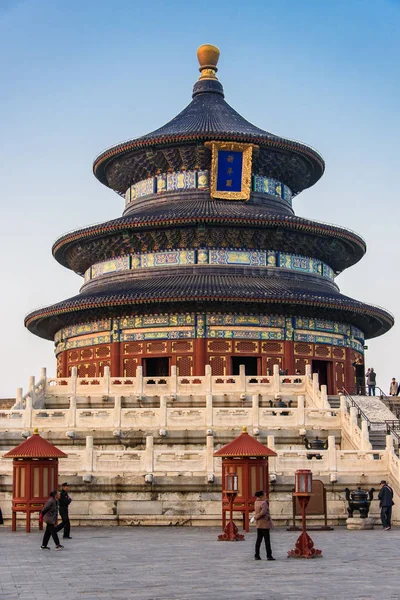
(324, 397)
(149, 455)
(242, 378)
(365, 443)
(308, 371)
(393, 463)
(28, 412)
(353, 425)
(106, 380)
(31, 389)
(89, 455)
(43, 383)
(276, 379)
(139, 381)
(174, 381)
(255, 411)
(272, 461)
(332, 458)
(163, 412)
(72, 412)
(208, 380)
(209, 410)
(18, 400)
(315, 390)
(117, 411)
(301, 413)
(74, 380)
(210, 458)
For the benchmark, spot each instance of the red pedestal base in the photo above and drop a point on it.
(231, 533)
(304, 548)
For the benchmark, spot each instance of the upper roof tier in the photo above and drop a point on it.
(207, 117)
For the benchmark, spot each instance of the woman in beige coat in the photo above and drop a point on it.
(264, 524)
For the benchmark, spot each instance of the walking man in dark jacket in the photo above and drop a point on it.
(386, 502)
(63, 504)
(50, 514)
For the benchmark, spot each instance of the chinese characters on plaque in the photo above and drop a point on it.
(231, 170)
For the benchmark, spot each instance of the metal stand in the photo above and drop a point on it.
(230, 532)
(304, 545)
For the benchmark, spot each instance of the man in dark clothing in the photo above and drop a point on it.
(359, 371)
(49, 515)
(63, 504)
(371, 382)
(386, 502)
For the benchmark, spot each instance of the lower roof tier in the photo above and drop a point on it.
(268, 295)
(193, 220)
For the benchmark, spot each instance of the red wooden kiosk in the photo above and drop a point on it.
(248, 458)
(35, 475)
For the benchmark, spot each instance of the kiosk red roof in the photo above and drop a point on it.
(35, 447)
(244, 445)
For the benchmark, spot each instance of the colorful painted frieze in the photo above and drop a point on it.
(83, 329)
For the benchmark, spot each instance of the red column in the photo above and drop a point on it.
(349, 376)
(200, 355)
(115, 359)
(288, 361)
(64, 365)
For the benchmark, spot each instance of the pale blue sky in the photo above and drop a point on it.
(77, 77)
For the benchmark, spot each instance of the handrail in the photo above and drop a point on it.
(392, 426)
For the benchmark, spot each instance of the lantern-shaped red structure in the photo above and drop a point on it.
(248, 460)
(303, 491)
(35, 475)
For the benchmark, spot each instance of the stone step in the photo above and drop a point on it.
(334, 401)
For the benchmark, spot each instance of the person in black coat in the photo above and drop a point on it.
(63, 504)
(49, 515)
(385, 497)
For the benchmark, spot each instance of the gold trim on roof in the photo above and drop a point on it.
(247, 151)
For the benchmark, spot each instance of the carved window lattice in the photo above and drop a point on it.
(338, 352)
(133, 348)
(322, 351)
(156, 347)
(300, 365)
(73, 356)
(184, 365)
(182, 346)
(303, 349)
(218, 365)
(269, 363)
(87, 370)
(103, 364)
(246, 346)
(103, 351)
(87, 353)
(130, 366)
(272, 347)
(219, 346)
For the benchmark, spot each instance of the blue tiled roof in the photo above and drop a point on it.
(287, 292)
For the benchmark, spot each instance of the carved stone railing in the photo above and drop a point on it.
(168, 413)
(155, 459)
(175, 384)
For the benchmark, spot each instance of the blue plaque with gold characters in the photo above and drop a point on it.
(231, 170)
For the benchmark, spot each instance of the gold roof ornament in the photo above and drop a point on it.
(208, 56)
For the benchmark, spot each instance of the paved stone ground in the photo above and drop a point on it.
(169, 563)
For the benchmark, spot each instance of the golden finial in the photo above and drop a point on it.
(244, 429)
(36, 431)
(208, 56)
